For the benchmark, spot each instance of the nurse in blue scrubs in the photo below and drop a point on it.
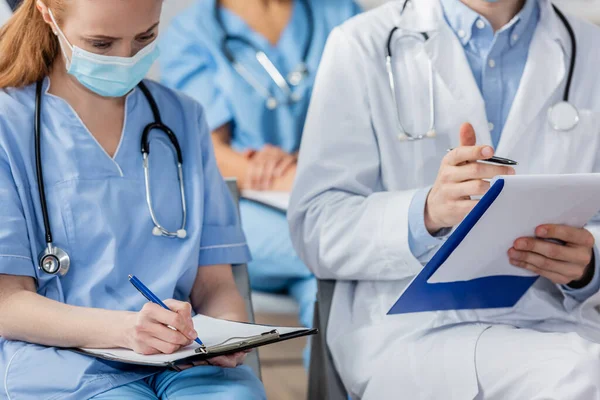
(252, 65)
(84, 60)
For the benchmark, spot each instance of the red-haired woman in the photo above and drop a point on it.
(81, 208)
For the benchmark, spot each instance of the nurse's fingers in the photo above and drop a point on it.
(465, 154)
(162, 346)
(182, 307)
(269, 173)
(284, 165)
(165, 334)
(158, 314)
(255, 173)
(476, 170)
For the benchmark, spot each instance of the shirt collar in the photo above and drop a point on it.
(462, 19)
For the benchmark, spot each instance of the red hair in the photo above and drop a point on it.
(28, 46)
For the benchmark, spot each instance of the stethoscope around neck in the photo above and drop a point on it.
(55, 261)
(562, 117)
(294, 78)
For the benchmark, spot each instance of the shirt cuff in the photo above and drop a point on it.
(223, 245)
(420, 241)
(591, 289)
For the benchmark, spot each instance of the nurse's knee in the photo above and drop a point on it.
(244, 385)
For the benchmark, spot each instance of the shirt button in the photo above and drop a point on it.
(480, 24)
(461, 34)
(492, 63)
(515, 37)
(491, 126)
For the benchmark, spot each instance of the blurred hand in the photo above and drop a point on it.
(230, 361)
(148, 331)
(267, 165)
(460, 177)
(562, 264)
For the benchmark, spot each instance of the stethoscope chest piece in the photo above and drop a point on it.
(54, 261)
(298, 75)
(563, 116)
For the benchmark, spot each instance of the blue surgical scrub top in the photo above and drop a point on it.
(192, 60)
(98, 214)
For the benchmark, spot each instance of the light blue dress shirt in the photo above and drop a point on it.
(98, 214)
(497, 60)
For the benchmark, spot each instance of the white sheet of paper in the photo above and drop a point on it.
(278, 200)
(210, 330)
(526, 202)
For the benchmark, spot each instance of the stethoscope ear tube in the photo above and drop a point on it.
(563, 116)
(294, 78)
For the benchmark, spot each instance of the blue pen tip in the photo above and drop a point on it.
(130, 277)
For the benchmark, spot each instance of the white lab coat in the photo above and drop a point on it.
(356, 181)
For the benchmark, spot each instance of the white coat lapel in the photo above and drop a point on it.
(450, 64)
(544, 74)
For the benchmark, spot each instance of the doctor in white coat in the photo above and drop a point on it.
(370, 208)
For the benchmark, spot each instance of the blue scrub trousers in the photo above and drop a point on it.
(275, 267)
(198, 383)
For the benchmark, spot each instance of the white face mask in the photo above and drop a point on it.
(108, 76)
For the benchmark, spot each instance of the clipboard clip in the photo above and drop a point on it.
(251, 341)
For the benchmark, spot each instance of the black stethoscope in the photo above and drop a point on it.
(54, 260)
(285, 85)
(563, 116)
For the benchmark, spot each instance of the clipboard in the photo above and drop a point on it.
(429, 292)
(214, 347)
(278, 201)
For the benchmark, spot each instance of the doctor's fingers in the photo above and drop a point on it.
(573, 254)
(476, 187)
(464, 154)
(568, 234)
(559, 272)
(183, 324)
(475, 170)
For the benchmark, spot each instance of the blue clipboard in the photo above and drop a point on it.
(482, 293)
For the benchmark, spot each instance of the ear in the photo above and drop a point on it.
(45, 11)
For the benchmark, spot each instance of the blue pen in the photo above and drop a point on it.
(152, 297)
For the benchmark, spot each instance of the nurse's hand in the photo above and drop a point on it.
(460, 177)
(230, 361)
(572, 263)
(267, 165)
(148, 331)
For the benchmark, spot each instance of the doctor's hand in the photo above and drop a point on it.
(460, 177)
(570, 264)
(150, 330)
(267, 165)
